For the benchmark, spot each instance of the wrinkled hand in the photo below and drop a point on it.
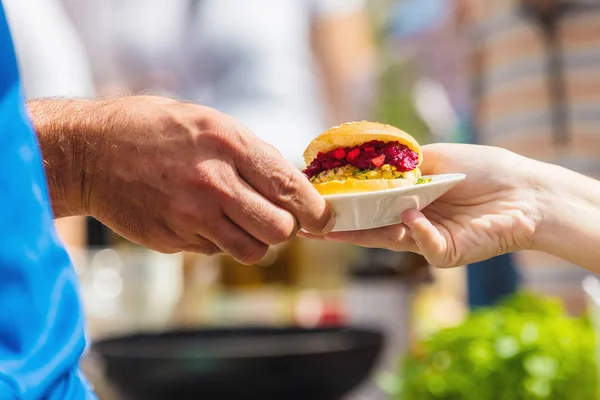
(492, 212)
(175, 176)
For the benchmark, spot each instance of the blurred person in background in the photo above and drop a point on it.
(288, 69)
(53, 63)
(534, 68)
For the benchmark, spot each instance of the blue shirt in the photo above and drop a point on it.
(41, 321)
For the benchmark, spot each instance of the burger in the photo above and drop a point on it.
(362, 157)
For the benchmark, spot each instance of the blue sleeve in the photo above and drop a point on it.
(41, 321)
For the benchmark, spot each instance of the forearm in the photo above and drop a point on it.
(67, 132)
(570, 209)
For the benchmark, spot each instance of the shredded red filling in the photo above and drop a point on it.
(367, 156)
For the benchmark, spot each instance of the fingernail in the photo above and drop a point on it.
(302, 233)
(330, 225)
(306, 235)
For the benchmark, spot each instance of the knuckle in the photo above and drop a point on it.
(207, 249)
(214, 176)
(203, 175)
(221, 137)
(174, 122)
(173, 244)
(167, 244)
(209, 121)
(211, 250)
(218, 131)
(161, 240)
(282, 231)
(286, 188)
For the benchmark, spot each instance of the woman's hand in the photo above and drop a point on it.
(493, 211)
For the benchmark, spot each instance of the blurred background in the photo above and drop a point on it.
(520, 74)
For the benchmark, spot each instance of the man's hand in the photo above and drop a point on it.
(173, 176)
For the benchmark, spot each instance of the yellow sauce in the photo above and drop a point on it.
(386, 171)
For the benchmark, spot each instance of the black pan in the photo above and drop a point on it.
(241, 363)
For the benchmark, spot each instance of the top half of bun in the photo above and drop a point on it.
(353, 134)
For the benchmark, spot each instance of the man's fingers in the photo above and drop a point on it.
(395, 237)
(201, 245)
(426, 236)
(283, 184)
(234, 241)
(253, 213)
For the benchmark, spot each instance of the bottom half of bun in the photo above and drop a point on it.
(360, 185)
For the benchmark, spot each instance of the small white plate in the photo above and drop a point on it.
(359, 211)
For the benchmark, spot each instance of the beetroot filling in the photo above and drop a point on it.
(369, 155)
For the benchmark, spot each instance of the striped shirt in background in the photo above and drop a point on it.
(537, 80)
(536, 91)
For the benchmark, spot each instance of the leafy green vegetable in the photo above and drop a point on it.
(525, 348)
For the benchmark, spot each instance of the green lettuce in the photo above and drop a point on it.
(525, 348)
